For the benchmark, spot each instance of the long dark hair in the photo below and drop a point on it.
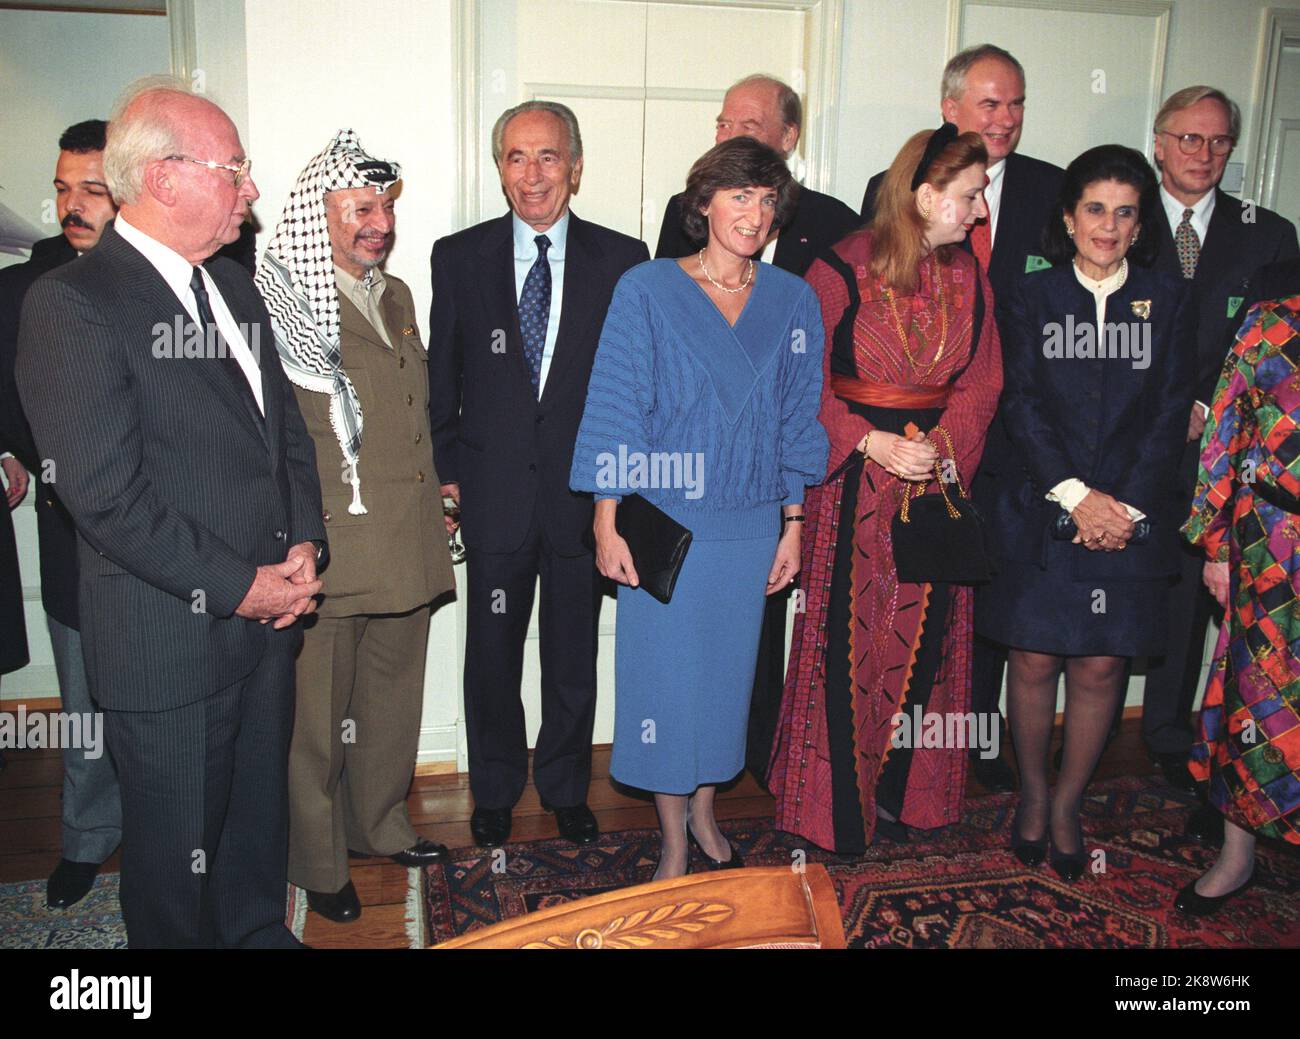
(1107, 162)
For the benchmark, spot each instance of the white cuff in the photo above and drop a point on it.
(1205, 408)
(1068, 493)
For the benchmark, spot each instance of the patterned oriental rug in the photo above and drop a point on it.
(958, 887)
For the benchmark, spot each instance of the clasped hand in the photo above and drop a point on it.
(1103, 524)
(907, 458)
(283, 592)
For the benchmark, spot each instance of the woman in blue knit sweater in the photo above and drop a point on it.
(703, 399)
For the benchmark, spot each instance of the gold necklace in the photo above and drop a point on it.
(744, 284)
(902, 333)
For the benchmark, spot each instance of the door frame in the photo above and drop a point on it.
(820, 96)
(1279, 27)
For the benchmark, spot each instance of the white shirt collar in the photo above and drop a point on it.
(1201, 209)
(994, 172)
(174, 268)
(525, 237)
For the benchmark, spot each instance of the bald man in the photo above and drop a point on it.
(154, 392)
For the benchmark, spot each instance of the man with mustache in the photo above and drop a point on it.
(347, 336)
(91, 806)
(1217, 243)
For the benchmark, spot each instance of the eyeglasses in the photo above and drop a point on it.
(1191, 143)
(241, 171)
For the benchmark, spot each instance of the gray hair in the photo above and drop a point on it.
(1189, 96)
(959, 65)
(562, 112)
(136, 140)
(787, 101)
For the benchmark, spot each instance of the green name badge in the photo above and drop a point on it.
(1035, 263)
(1234, 304)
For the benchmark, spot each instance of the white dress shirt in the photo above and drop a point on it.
(176, 271)
(1068, 493)
(993, 196)
(525, 257)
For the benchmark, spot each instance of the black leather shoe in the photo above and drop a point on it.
(1031, 853)
(994, 774)
(733, 862)
(1069, 865)
(1205, 825)
(70, 883)
(423, 852)
(1194, 904)
(1174, 768)
(576, 824)
(490, 826)
(890, 830)
(343, 907)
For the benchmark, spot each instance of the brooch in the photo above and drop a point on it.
(1142, 308)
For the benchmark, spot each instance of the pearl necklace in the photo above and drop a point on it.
(744, 284)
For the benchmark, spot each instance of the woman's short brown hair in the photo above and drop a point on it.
(741, 162)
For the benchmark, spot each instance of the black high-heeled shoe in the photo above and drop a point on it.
(735, 862)
(1031, 853)
(1069, 865)
(1192, 902)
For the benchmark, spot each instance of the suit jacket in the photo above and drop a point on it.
(1118, 427)
(394, 557)
(178, 488)
(1030, 190)
(1233, 250)
(819, 222)
(13, 627)
(58, 536)
(509, 452)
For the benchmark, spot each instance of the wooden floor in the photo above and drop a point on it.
(440, 808)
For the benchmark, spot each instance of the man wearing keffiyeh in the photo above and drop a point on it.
(347, 338)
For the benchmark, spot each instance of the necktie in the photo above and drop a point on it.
(1189, 245)
(535, 312)
(981, 243)
(212, 335)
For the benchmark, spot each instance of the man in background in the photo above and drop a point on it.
(91, 806)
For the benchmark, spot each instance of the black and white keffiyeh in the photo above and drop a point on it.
(296, 279)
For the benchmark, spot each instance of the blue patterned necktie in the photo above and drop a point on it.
(535, 312)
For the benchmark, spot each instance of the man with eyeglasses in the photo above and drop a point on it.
(90, 809)
(1217, 243)
(148, 374)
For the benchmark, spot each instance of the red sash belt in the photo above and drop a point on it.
(889, 395)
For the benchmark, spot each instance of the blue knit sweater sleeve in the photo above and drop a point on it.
(804, 445)
(620, 395)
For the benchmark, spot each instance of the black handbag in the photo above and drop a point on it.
(939, 538)
(658, 544)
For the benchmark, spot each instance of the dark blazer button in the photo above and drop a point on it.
(326, 516)
(539, 419)
(279, 535)
(532, 468)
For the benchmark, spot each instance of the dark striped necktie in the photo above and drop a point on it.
(213, 338)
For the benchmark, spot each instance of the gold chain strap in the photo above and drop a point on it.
(909, 491)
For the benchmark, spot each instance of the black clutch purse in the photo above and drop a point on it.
(658, 544)
(939, 538)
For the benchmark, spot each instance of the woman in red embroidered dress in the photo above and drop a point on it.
(914, 342)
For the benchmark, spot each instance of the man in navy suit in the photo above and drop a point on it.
(984, 92)
(1217, 243)
(770, 111)
(518, 305)
(91, 805)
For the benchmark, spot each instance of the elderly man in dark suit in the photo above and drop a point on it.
(984, 92)
(1217, 243)
(175, 442)
(518, 305)
(770, 111)
(91, 807)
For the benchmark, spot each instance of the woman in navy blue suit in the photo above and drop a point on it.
(1097, 391)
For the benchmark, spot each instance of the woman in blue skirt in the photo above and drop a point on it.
(703, 399)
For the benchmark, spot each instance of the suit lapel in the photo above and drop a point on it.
(141, 279)
(242, 306)
(792, 244)
(1221, 239)
(498, 289)
(577, 302)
